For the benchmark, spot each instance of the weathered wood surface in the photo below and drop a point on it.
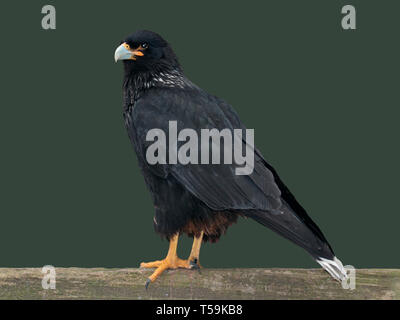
(77, 283)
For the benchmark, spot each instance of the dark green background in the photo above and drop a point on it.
(324, 103)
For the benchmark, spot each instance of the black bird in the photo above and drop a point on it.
(202, 200)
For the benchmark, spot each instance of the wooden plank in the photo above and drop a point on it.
(99, 283)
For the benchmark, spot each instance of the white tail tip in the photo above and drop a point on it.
(334, 267)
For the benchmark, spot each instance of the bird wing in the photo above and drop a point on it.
(217, 185)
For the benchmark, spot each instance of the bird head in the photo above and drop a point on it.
(146, 51)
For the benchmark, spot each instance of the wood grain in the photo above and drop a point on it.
(99, 283)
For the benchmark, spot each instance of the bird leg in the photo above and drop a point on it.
(195, 253)
(172, 261)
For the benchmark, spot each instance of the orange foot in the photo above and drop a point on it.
(168, 263)
(172, 261)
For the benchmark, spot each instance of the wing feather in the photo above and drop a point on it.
(216, 185)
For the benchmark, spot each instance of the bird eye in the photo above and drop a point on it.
(144, 45)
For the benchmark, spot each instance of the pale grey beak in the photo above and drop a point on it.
(122, 53)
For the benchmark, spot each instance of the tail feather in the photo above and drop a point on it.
(334, 268)
(287, 224)
(293, 223)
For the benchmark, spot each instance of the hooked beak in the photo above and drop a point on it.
(124, 52)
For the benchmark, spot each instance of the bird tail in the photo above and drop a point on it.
(304, 232)
(334, 268)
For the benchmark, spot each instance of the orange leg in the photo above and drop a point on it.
(172, 261)
(194, 256)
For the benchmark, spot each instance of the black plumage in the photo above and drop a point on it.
(196, 198)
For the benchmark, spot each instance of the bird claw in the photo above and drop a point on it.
(194, 264)
(148, 281)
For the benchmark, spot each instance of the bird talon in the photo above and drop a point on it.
(148, 281)
(194, 264)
